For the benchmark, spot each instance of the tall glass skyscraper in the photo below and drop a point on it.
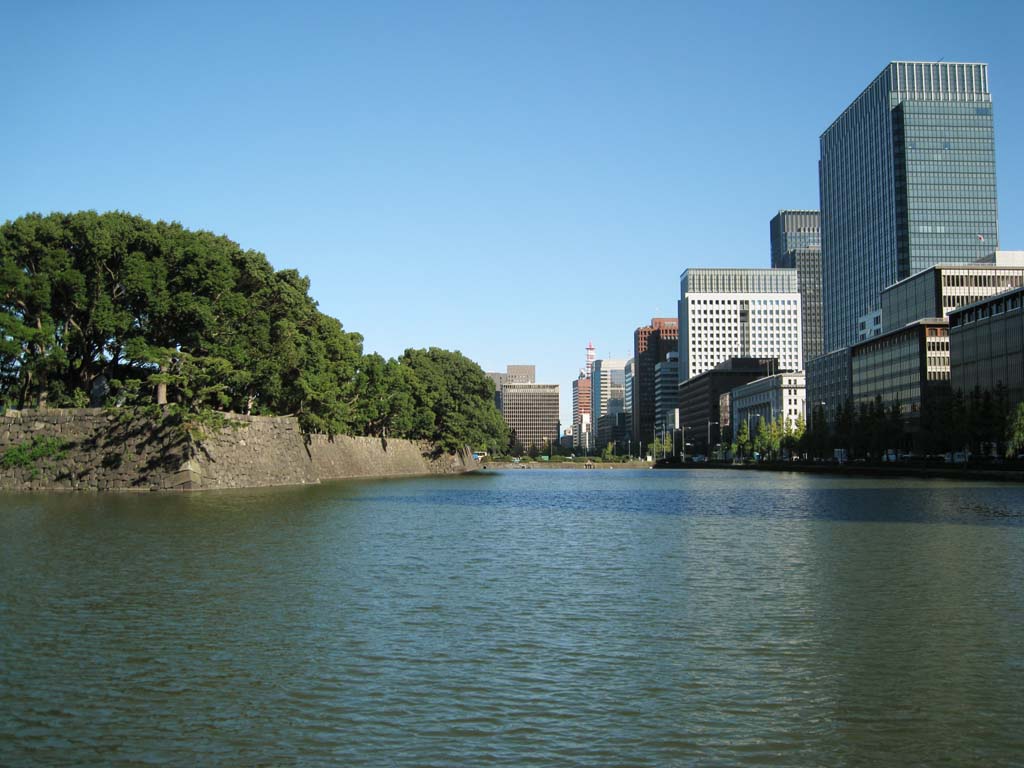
(908, 180)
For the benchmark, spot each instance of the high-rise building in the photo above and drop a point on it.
(651, 344)
(607, 388)
(514, 374)
(792, 231)
(627, 400)
(796, 244)
(581, 425)
(666, 394)
(531, 411)
(907, 178)
(726, 313)
(582, 421)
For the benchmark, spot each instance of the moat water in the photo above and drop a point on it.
(520, 618)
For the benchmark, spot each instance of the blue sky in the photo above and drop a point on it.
(506, 179)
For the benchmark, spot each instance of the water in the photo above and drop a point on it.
(527, 618)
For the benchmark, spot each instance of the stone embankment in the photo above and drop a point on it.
(95, 449)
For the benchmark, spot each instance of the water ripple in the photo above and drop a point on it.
(535, 618)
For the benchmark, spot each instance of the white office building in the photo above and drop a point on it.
(766, 398)
(726, 313)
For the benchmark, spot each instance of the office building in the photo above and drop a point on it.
(582, 421)
(607, 388)
(938, 290)
(986, 342)
(514, 374)
(627, 403)
(613, 428)
(666, 394)
(828, 385)
(581, 432)
(700, 399)
(531, 412)
(907, 180)
(908, 367)
(567, 441)
(727, 313)
(793, 230)
(651, 344)
(768, 397)
(796, 244)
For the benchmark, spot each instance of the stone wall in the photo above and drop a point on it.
(113, 451)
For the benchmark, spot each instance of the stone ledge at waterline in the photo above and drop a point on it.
(93, 449)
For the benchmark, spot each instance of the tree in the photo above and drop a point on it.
(162, 313)
(763, 439)
(453, 401)
(743, 438)
(797, 433)
(1015, 432)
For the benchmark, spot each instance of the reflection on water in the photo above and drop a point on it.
(518, 618)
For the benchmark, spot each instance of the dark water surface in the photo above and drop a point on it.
(527, 618)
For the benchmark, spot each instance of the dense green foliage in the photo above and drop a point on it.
(27, 454)
(91, 302)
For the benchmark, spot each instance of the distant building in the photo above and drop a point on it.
(581, 432)
(666, 394)
(582, 420)
(567, 440)
(793, 230)
(628, 389)
(651, 344)
(907, 178)
(700, 398)
(613, 428)
(766, 398)
(531, 411)
(607, 388)
(796, 244)
(986, 342)
(514, 374)
(741, 313)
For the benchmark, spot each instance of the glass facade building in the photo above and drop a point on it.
(828, 384)
(905, 367)
(907, 180)
(987, 346)
(607, 389)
